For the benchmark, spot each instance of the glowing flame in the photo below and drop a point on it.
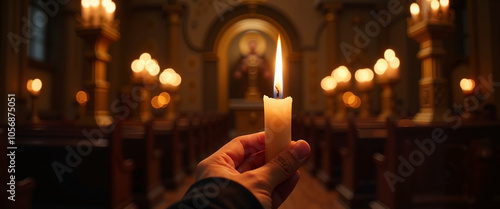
(85, 3)
(341, 74)
(163, 99)
(435, 4)
(394, 63)
(34, 86)
(328, 83)
(81, 97)
(389, 54)
(363, 75)
(467, 84)
(415, 9)
(381, 66)
(278, 72)
(444, 3)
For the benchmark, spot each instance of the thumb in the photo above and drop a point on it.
(286, 164)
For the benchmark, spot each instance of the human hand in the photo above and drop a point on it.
(242, 160)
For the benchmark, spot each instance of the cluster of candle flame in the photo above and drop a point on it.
(145, 64)
(422, 11)
(351, 100)
(387, 67)
(170, 77)
(95, 12)
(160, 101)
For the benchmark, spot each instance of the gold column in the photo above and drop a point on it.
(97, 41)
(433, 91)
(173, 12)
(331, 9)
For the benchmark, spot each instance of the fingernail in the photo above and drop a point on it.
(300, 150)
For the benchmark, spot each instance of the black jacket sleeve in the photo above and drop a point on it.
(217, 193)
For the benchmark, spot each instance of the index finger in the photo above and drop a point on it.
(241, 147)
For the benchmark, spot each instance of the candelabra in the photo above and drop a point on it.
(170, 82)
(429, 26)
(34, 87)
(97, 36)
(145, 69)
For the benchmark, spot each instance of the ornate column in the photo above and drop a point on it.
(331, 9)
(173, 12)
(434, 93)
(97, 41)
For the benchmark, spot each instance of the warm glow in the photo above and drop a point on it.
(415, 9)
(163, 99)
(341, 74)
(135, 66)
(435, 4)
(85, 3)
(278, 72)
(34, 86)
(444, 3)
(94, 3)
(467, 84)
(154, 102)
(81, 97)
(110, 7)
(381, 66)
(145, 57)
(394, 63)
(152, 67)
(328, 83)
(363, 75)
(346, 96)
(177, 80)
(389, 54)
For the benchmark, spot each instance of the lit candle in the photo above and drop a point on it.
(34, 86)
(364, 78)
(328, 84)
(467, 86)
(415, 12)
(277, 113)
(380, 67)
(94, 12)
(85, 12)
(342, 76)
(110, 8)
(392, 71)
(444, 8)
(435, 9)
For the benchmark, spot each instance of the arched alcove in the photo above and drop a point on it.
(218, 41)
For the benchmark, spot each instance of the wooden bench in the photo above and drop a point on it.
(139, 145)
(364, 138)
(75, 167)
(168, 141)
(335, 137)
(439, 166)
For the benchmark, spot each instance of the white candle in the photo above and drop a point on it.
(85, 12)
(94, 12)
(415, 12)
(444, 8)
(435, 9)
(277, 114)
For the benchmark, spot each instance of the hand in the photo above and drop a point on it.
(242, 160)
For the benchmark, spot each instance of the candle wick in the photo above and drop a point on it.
(277, 92)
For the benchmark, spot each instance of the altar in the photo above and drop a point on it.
(249, 116)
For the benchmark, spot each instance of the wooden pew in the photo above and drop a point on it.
(187, 142)
(139, 145)
(75, 167)
(365, 138)
(457, 168)
(313, 162)
(168, 141)
(335, 138)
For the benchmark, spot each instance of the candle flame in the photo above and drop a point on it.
(414, 9)
(467, 84)
(278, 72)
(364, 75)
(81, 97)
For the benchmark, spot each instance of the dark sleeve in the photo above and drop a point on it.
(217, 193)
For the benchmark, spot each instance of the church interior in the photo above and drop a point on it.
(112, 103)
